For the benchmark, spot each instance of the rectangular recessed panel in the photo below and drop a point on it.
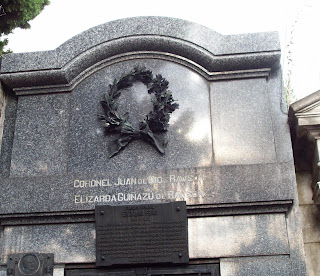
(185, 270)
(144, 233)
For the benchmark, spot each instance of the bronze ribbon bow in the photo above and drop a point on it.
(128, 134)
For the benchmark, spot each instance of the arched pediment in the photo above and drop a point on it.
(211, 54)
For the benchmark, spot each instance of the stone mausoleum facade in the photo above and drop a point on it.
(228, 158)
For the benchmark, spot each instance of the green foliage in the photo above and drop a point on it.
(17, 15)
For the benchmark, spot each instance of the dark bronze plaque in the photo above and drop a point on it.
(32, 264)
(140, 234)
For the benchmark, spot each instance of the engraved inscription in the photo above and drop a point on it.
(141, 242)
(120, 197)
(145, 233)
(184, 184)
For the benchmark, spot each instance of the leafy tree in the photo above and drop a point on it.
(17, 15)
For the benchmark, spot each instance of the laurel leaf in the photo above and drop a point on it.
(156, 120)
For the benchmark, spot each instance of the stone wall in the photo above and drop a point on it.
(2, 106)
(310, 223)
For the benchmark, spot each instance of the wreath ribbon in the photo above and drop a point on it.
(144, 133)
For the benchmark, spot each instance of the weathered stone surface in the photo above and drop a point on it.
(267, 266)
(310, 223)
(208, 238)
(312, 260)
(40, 142)
(238, 236)
(145, 27)
(8, 136)
(279, 117)
(2, 106)
(225, 184)
(305, 193)
(294, 231)
(70, 243)
(242, 129)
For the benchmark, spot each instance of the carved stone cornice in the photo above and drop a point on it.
(218, 58)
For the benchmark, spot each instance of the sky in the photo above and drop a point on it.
(63, 19)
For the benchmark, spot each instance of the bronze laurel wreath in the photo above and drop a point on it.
(155, 122)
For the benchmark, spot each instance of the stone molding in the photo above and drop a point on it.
(220, 57)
